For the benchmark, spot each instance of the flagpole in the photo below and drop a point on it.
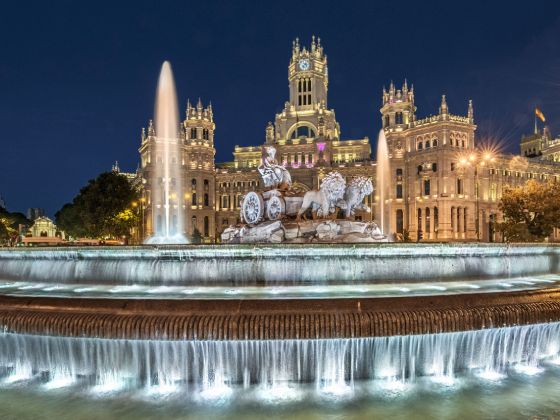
(536, 130)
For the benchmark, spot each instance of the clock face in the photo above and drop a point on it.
(304, 64)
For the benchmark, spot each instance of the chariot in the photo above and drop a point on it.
(269, 205)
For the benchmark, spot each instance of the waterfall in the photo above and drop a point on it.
(278, 265)
(201, 366)
(167, 177)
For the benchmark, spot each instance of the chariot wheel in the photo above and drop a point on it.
(275, 208)
(252, 208)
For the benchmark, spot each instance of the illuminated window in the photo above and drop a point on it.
(399, 191)
(426, 187)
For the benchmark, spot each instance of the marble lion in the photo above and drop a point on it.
(356, 190)
(324, 201)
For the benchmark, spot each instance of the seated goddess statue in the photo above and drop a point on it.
(273, 174)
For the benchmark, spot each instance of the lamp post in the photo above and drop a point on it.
(136, 233)
(143, 205)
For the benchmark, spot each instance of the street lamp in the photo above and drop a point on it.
(143, 205)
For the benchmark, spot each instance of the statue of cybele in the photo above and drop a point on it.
(273, 174)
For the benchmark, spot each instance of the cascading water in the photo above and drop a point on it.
(382, 182)
(331, 365)
(166, 182)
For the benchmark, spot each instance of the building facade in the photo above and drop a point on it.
(442, 186)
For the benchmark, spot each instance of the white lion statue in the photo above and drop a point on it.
(356, 190)
(324, 201)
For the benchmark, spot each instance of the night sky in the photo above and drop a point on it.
(77, 79)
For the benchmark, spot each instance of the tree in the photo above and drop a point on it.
(196, 237)
(102, 209)
(10, 226)
(531, 212)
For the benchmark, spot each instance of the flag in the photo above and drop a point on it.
(539, 114)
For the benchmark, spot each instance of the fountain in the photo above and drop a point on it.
(382, 182)
(167, 179)
(327, 314)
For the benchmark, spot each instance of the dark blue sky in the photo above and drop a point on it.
(77, 79)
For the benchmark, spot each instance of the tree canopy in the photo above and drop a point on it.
(102, 209)
(9, 226)
(531, 212)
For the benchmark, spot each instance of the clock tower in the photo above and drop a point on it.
(308, 76)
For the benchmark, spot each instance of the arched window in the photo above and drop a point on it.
(436, 219)
(459, 186)
(303, 131)
(419, 224)
(206, 199)
(193, 199)
(426, 187)
(419, 147)
(434, 167)
(427, 145)
(434, 143)
(206, 226)
(400, 221)
(193, 133)
(428, 227)
(399, 118)
(399, 191)
(193, 182)
(399, 172)
(193, 222)
(205, 135)
(453, 219)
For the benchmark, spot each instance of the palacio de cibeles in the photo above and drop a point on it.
(322, 273)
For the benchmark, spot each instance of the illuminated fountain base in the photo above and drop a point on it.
(213, 368)
(209, 322)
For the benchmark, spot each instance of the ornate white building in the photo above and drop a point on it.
(443, 187)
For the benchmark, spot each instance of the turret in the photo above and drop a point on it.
(308, 75)
(397, 111)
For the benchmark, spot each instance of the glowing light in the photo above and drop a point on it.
(279, 393)
(490, 375)
(59, 382)
(444, 380)
(337, 390)
(216, 392)
(387, 372)
(162, 389)
(108, 387)
(529, 370)
(21, 374)
(394, 386)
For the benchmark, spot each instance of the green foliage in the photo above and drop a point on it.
(531, 212)
(102, 209)
(404, 236)
(10, 224)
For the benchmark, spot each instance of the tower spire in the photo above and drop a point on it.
(443, 110)
(470, 112)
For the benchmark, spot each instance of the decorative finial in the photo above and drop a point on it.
(443, 108)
